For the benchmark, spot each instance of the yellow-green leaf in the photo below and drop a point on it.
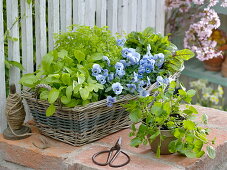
(53, 95)
(50, 110)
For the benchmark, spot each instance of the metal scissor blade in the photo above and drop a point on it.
(118, 143)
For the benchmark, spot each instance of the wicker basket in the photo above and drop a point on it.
(81, 125)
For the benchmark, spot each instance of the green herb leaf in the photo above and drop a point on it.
(50, 110)
(190, 154)
(79, 55)
(63, 53)
(81, 78)
(69, 91)
(191, 93)
(211, 152)
(46, 62)
(15, 64)
(84, 93)
(188, 124)
(135, 142)
(135, 115)
(65, 78)
(65, 100)
(172, 146)
(184, 54)
(53, 95)
(29, 80)
(153, 137)
(44, 95)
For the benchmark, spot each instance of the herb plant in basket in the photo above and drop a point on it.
(167, 127)
(83, 81)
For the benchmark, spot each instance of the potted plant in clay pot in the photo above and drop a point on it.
(214, 63)
(165, 126)
(224, 64)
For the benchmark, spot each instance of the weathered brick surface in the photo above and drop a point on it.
(63, 156)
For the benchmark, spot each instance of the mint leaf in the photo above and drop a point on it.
(29, 80)
(211, 152)
(84, 93)
(53, 95)
(44, 95)
(135, 142)
(69, 91)
(188, 124)
(15, 64)
(153, 137)
(135, 115)
(65, 77)
(63, 53)
(46, 62)
(50, 110)
(80, 56)
(65, 100)
(184, 54)
(191, 93)
(81, 78)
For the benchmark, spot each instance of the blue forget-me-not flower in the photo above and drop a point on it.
(96, 69)
(105, 58)
(110, 100)
(161, 80)
(110, 77)
(117, 88)
(159, 59)
(119, 66)
(144, 93)
(121, 42)
(132, 87)
(101, 79)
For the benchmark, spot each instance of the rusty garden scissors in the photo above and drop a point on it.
(110, 159)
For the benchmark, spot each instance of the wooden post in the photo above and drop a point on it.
(40, 30)
(53, 21)
(13, 45)
(27, 36)
(160, 16)
(2, 73)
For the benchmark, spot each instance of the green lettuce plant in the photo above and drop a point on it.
(163, 112)
(67, 68)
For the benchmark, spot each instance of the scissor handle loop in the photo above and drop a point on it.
(117, 166)
(110, 160)
(99, 153)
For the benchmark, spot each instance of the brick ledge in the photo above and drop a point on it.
(63, 156)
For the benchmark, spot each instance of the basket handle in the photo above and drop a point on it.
(45, 86)
(39, 86)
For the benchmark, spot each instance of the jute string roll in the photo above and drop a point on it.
(15, 112)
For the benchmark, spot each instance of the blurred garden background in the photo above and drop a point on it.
(201, 26)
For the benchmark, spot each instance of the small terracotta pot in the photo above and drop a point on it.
(224, 64)
(164, 150)
(224, 68)
(213, 64)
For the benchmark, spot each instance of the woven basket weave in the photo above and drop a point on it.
(81, 125)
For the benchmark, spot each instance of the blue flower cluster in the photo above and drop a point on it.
(160, 80)
(139, 67)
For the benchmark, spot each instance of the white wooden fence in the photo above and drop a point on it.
(119, 15)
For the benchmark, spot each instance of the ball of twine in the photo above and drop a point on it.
(15, 112)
